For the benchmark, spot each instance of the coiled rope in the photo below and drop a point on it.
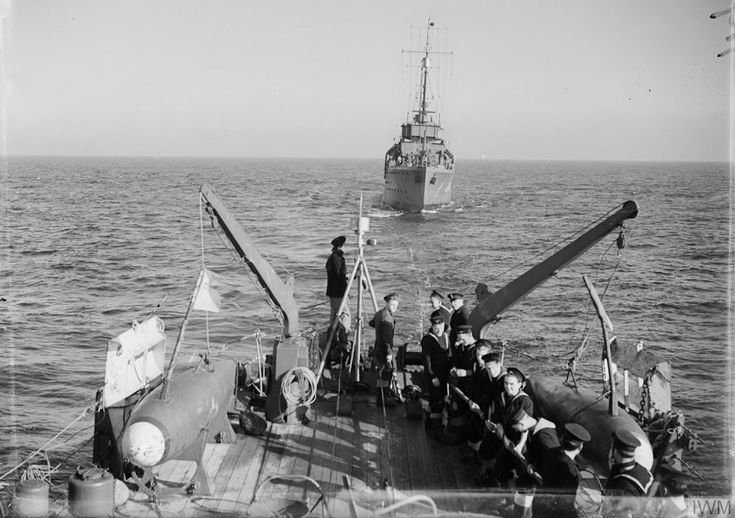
(45, 446)
(298, 386)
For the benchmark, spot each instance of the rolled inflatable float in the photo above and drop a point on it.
(563, 404)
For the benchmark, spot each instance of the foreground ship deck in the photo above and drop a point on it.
(368, 448)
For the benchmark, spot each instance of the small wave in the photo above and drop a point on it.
(36, 253)
(385, 214)
(711, 255)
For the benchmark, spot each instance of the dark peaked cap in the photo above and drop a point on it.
(455, 296)
(625, 441)
(436, 317)
(339, 241)
(576, 434)
(436, 294)
(390, 296)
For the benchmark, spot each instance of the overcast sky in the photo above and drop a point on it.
(563, 79)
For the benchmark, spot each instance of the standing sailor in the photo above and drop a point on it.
(627, 477)
(560, 474)
(435, 350)
(385, 325)
(487, 387)
(462, 375)
(337, 283)
(460, 316)
(436, 300)
(628, 480)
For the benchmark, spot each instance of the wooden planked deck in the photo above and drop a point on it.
(369, 448)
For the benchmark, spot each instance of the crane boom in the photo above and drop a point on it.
(492, 305)
(279, 293)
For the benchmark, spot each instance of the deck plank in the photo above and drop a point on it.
(365, 447)
(230, 492)
(254, 470)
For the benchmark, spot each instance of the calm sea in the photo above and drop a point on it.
(91, 244)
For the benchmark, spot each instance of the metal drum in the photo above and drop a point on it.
(31, 498)
(91, 493)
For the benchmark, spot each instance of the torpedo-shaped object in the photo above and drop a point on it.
(563, 404)
(178, 426)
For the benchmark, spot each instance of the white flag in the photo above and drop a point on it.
(207, 298)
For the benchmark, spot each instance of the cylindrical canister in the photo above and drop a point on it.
(31, 498)
(91, 493)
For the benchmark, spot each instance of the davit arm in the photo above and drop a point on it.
(491, 306)
(279, 293)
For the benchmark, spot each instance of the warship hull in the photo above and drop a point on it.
(418, 188)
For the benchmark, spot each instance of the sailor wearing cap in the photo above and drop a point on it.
(560, 474)
(627, 477)
(435, 351)
(385, 324)
(505, 412)
(487, 386)
(463, 359)
(460, 315)
(462, 355)
(337, 283)
(436, 300)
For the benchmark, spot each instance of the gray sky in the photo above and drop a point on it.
(563, 79)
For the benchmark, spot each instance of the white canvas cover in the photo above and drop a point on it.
(134, 359)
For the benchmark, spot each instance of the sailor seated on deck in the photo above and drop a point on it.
(505, 445)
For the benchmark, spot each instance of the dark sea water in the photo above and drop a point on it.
(91, 244)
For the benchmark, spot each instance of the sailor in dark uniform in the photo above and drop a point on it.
(464, 365)
(507, 408)
(435, 350)
(487, 386)
(337, 283)
(460, 315)
(628, 480)
(560, 474)
(627, 477)
(385, 324)
(436, 300)
(456, 410)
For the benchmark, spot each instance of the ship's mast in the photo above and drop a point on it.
(421, 115)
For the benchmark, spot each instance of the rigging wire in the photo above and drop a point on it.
(579, 350)
(201, 236)
(48, 443)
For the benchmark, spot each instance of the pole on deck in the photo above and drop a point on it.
(180, 339)
(606, 323)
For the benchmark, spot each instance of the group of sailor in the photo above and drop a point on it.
(412, 159)
(473, 398)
